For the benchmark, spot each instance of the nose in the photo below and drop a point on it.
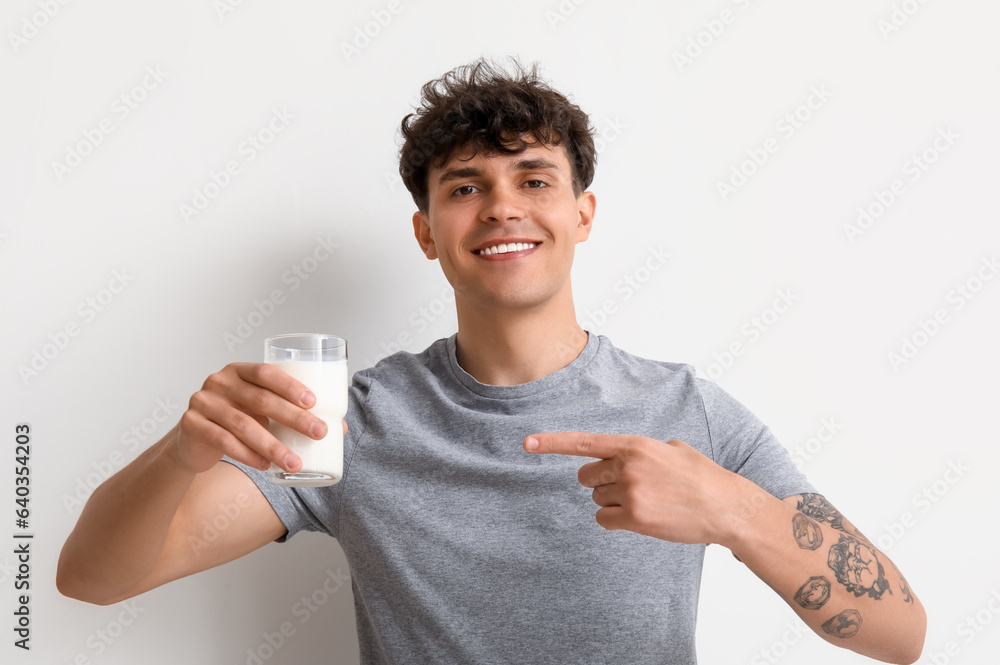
(501, 205)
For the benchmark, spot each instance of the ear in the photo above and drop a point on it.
(422, 231)
(586, 205)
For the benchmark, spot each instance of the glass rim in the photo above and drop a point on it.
(323, 337)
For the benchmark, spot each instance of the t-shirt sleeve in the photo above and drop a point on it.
(742, 444)
(316, 508)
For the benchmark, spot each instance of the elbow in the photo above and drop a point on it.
(917, 646)
(71, 582)
(69, 586)
(911, 645)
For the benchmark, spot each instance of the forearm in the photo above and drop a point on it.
(123, 526)
(841, 586)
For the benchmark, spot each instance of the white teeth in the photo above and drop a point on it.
(504, 248)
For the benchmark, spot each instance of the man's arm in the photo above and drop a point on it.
(835, 579)
(142, 527)
(838, 582)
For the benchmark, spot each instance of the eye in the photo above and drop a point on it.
(536, 184)
(463, 190)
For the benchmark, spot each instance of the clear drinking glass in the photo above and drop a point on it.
(320, 362)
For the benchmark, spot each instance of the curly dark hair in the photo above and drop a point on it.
(481, 105)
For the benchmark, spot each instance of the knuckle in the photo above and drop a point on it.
(223, 440)
(259, 372)
(261, 399)
(213, 381)
(198, 401)
(188, 420)
(240, 424)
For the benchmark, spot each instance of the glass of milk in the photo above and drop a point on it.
(320, 362)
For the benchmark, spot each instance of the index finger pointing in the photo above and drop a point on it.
(584, 444)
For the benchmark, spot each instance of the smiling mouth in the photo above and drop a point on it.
(502, 248)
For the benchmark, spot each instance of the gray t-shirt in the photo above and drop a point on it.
(466, 549)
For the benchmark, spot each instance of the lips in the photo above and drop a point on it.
(507, 245)
(506, 251)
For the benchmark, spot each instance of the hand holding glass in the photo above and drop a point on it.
(320, 362)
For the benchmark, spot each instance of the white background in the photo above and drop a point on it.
(673, 131)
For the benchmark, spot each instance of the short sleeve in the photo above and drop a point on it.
(316, 508)
(742, 444)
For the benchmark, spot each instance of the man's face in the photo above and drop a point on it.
(489, 199)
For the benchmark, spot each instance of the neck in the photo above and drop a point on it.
(506, 347)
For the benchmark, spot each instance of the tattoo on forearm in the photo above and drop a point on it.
(814, 593)
(807, 532)
(817, 507)
(845, 624)
(904, 586)
(857, 568)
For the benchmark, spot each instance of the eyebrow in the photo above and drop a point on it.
(535, 164)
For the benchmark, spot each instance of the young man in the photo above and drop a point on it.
(466, 510)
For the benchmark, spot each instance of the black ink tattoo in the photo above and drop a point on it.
(814, 593)
(817, 507)
(857, 568)
(807, 532)
(845, 624)
(904, 585)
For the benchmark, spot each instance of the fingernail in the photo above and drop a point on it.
(531, 443)
(290, 461)
(318, 430)
(308, 399)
